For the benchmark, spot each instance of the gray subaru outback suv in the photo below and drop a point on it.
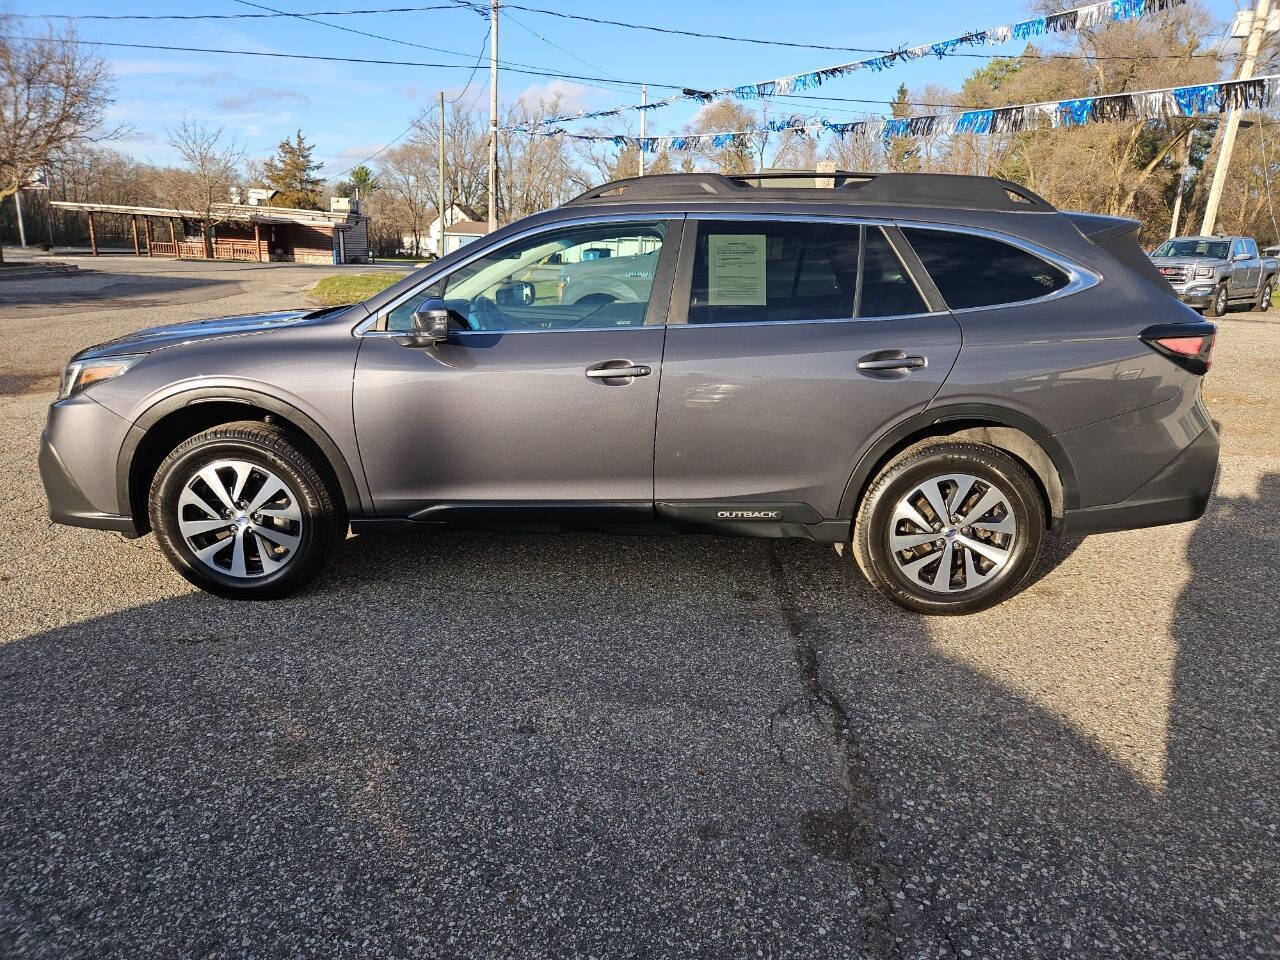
(937, 370)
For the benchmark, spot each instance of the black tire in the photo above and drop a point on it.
(1220, 303)
(310, 491)
(1264, 296)
(992, 468)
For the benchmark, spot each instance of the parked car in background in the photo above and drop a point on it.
(1212, 273)
(937, 371)
(607, 279)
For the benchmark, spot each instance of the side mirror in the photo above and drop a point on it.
(430, 325)
(515, 293)
(1241, 256)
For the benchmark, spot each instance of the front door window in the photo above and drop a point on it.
(591, 277)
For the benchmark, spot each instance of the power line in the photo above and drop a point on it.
(506, 65)
(551, 43)
(230, 16)
(409, 129)
(272, 54)
(311, 18)
(484, 41)
(383, 149)
(373, 61)
(463, 6)
(683, 33)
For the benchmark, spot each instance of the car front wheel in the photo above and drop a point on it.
(1219, 301)
(244, 511)
(1264, 296)
(950, 528)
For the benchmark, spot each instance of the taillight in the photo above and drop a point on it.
(1189, 345)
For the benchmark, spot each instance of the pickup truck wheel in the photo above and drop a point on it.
(1219, 306)
(244, 511)
(1264, 296)
(951, 528)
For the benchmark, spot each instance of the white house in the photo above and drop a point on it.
(461, 225)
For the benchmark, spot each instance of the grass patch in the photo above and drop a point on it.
(344, 288)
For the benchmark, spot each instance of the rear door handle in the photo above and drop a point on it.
(618, 370)
(892, 363)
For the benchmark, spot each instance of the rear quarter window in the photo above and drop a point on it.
(976, 271)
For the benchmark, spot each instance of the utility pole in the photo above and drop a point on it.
(1256, 32)
(493, 115)
(22, 233)
(644, 98)
(440, 207)
(1182, 181)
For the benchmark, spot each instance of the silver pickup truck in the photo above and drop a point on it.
(1212, 273)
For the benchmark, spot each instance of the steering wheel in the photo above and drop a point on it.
(485, 315)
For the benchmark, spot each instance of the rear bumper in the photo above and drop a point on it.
(1178, 493)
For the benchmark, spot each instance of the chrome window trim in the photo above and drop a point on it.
(792, 323)
(504, 333)
(762, 217)
(1078, 277)
(363, 328)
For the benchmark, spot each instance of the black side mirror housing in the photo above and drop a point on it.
(430, 325)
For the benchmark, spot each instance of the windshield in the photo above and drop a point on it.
(1210, 249)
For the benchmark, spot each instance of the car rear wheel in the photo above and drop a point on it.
(1219, 306)
(953, 527)
(244, 511)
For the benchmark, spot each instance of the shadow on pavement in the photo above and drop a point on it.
(98, 288)
(494, 745)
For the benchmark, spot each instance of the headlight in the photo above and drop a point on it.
(1204, 271)
(83, 374)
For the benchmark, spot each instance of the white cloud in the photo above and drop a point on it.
(359, 152)
(573, 97)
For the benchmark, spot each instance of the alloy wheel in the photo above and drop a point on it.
(240, 519)
(953, 533)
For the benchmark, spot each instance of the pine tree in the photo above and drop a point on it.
(293, 173)
(361, 182)
(903, 154)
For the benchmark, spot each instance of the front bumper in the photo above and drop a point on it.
(1198, 294)
(80, 481)
(1178, 493)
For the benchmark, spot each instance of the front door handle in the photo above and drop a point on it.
(891, 363)
(618, 370)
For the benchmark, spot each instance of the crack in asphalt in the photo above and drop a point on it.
(852, 831)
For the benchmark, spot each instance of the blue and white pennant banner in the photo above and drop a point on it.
(1079, 18)
(1146, 105)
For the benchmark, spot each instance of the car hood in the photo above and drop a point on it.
(154, 338)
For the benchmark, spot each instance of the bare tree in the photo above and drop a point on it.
(213, 168)
(535, 172)
(466, 138)
(52, 96)
(408, 175)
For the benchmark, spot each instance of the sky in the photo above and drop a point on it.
(350, 111)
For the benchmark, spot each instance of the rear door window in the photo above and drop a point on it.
(774, 271)
(970, 270)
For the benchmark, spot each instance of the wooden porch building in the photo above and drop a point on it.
(243, 232)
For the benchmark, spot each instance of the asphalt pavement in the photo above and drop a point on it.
(486, 745)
